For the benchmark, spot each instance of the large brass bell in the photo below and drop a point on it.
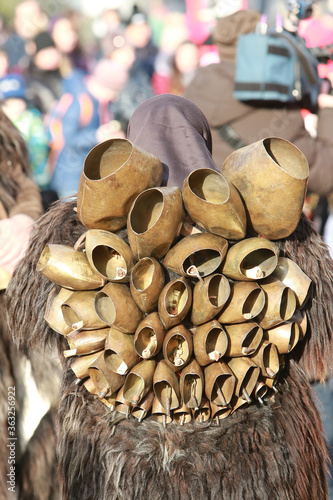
(79, 311)
(246, 301)
(149, 336)
(177, 347)
(251, 259)
(243, 338)
(209, 297)
(69, 268)
(139, 381)
(271, 177)
(114, 173)
(191, 385)
(219, 384)
(210, 342)
(166, 387)
(154, 221)
(120, 355)
(174, 302)
(292, 276)
(214, 204)
(115, 306)
(109, 255)
(147, 281)
(53, 313)
(197, 256)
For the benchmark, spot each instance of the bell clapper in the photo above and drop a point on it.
(69, 353)
(255, 273)
(151, 347)
(246, 396)
(164, 420)
(270, 372)
(142, 415)
(122, 368)
(193, 271)
(177, 359)
(173, 302)
(248, 350)
(248, 316)
(127, 411)
(217, 420)
(182, 419)
(193, 400)
(214, 355)
(221, 396)
(103, 392)
(120, 272)
(260, 400)
(167, 400)
(77, 326)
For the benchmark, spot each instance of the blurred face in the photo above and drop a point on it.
(187, 58)
(64, 36)
(48, 59)
(124, 56)
(29, 19)
(138, 34)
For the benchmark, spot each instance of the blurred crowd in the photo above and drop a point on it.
(68, 82)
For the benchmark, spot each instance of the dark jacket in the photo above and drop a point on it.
(212, 91)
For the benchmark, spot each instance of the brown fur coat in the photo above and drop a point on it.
(275, 451)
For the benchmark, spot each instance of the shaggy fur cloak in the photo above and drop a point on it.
(275, 451)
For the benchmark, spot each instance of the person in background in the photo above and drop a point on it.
(29, 122)
(76, 123)
(73, 65)
(29, 20)
(212, 90)
(44, 79)
(184, 65)
(138, 34)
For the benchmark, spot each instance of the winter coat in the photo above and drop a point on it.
(212, 91)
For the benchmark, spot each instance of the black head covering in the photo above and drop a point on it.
(176, 131)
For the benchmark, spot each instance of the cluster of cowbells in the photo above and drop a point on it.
(178, 320)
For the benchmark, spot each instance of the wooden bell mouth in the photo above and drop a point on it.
(223, 389)
(115, 362)
(254, 303)
(146, 210)
(106, 158)
(72, 318)
(134, 388)
(109, 263)
(258, 263)
(176, 298)
(218, 290)
(287, 156)
(216, 344)
(252, 340)
(99, 379)
(209, 186)
(105, 308)
(288, 304)
(202, 262)
(177, 351)
(146, 342)
(271, 362)
(142, 274)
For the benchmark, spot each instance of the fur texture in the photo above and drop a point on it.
(274, 451)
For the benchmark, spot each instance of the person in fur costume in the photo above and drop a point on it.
(276, 450)
(20, 207)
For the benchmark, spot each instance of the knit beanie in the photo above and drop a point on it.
(229, 28)
(43, 41)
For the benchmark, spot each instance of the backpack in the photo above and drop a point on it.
(275, 66)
